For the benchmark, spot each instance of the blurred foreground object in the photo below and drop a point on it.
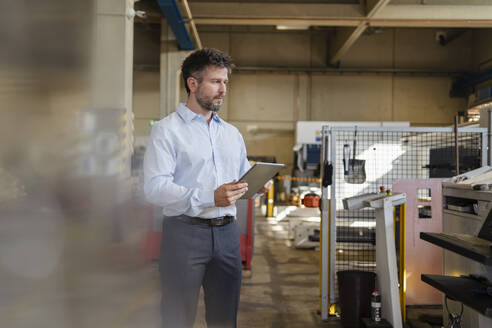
(70, 224)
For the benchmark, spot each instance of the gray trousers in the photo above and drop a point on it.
(194, 255)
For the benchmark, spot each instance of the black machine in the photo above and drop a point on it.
(442, 162)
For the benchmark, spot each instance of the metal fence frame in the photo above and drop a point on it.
(328, 206)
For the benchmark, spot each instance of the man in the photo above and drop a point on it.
(191, 166)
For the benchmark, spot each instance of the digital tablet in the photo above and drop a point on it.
(258, 175)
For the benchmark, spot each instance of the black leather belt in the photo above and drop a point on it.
(213, 222)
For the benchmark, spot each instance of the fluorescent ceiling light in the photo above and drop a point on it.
(292, 27)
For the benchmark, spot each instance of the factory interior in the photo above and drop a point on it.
(380, 111)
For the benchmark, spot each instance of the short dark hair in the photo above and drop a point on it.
(199, 60)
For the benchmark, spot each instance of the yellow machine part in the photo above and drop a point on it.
(401, 265)
(331, 307)
(270, 202)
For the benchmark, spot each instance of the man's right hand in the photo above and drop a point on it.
(228, 193)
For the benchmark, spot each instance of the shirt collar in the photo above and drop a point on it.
(187, 114)
(216, 117)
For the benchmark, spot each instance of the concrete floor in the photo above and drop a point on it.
(282, 289)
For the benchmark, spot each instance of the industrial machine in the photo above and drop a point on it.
(466, 241)
(306, 235)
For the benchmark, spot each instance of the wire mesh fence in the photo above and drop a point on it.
(386, 156)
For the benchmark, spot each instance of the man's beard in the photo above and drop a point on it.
(208, 104)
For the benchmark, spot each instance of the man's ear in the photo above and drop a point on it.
(192, 83)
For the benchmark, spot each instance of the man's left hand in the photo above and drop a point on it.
(265, 188)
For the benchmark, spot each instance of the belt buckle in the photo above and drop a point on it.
(220, 221)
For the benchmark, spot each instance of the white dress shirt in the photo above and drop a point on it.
(187, 159)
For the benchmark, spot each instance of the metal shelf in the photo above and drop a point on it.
(482, 254)
(466, 290)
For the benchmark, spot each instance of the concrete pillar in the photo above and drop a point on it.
(171, 80)
(112, 68)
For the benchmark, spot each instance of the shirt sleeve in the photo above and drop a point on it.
(244, 165)
(159, 186)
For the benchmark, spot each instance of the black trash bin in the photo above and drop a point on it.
(354, 292)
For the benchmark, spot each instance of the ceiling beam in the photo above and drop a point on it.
(246, 10)
(415, 23)
(432, 23)
(391, 15)
(343, 40)
(348, 40)
(452, 16)
(374, 6)
(429, 12)
(443, 2)
(279, 21)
